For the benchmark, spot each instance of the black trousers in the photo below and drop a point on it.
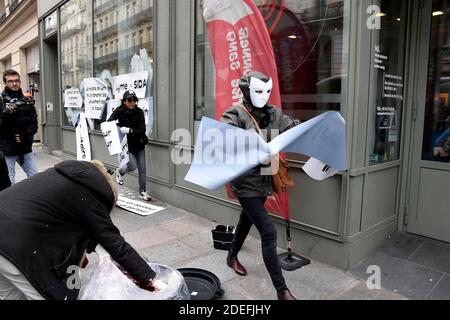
(254, 213)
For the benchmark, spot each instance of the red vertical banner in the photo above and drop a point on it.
(240, 42)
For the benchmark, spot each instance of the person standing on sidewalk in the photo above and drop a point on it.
(253, 188)
(18, 125)
(47, 224)
(130, 119)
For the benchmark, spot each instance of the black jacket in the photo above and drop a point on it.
(133, 119)
(252, 183)
(49, 220)
(22, 121)
(4, 177)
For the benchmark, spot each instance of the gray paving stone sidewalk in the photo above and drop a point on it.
(181, 239)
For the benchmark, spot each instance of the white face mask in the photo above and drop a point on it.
(260, 92)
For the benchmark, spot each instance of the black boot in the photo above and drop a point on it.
(233, 262)
(285, 295)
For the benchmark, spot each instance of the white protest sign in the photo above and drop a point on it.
(111, 135)
(72, 98)
(124, 156)
(96, 93)
(131, 81)
(138, 207)
(82, 136)
(111, 105)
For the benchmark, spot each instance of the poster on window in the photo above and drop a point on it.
(240, 42)
(132, 81)
(72, 98)
(124, 156)
(111, 105)
(96, 94)
(83, 143)
(112, 139)
(144, 104)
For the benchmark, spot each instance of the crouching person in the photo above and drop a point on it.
(48, 223)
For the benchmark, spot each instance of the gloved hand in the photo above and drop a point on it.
(125, 130)
(155, 285)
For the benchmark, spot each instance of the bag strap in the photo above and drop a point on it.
(254, 120)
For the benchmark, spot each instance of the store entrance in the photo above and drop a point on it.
(429, 208)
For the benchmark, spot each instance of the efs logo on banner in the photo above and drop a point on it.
(240, 42)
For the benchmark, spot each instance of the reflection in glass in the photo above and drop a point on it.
(121, 30)
(76, 47)
(308, 39)
(388, 67)
(436, 137)
(51, 23)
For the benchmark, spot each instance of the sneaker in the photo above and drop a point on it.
(145, 196)
(119, 177)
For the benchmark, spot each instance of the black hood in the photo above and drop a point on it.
(87, 175)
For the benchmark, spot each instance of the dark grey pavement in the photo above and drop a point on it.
(411, 267)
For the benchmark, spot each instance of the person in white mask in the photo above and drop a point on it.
(253, 188)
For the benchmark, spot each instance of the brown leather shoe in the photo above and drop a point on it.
(234, 263)
(285, 295)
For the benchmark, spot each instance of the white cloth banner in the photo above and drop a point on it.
(112, 139)
(124, 156)
(224, 152)
(82, 136)
(72, 98)
(132, 81)
(96, 94)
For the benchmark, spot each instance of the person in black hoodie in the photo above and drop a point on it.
(18, 125)
(130, 119)
(49, 222)
(4, 177)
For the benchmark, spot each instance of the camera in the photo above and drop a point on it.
(12, 105)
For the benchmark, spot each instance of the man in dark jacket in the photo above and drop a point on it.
(49, 221)
(4, 177)
(130, 119)
(18, 125)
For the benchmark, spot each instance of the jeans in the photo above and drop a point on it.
(137, 160)
(26, 161)
(253, 212)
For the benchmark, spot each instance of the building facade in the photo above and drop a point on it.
(382, 64)
(19, 46)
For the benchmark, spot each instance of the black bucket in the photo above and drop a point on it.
(223, 236)
(202, 284)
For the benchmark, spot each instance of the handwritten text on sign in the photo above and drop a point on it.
(131, 81)
(96, 95)
(111, 135)
(72, 98)
(82, 136)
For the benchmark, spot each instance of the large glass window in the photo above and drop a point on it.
(122, 29)
(51, 23)
(309, 39)
(76, 48)
(436, 137)
(388, 67)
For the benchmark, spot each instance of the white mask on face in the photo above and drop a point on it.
(260, 92)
